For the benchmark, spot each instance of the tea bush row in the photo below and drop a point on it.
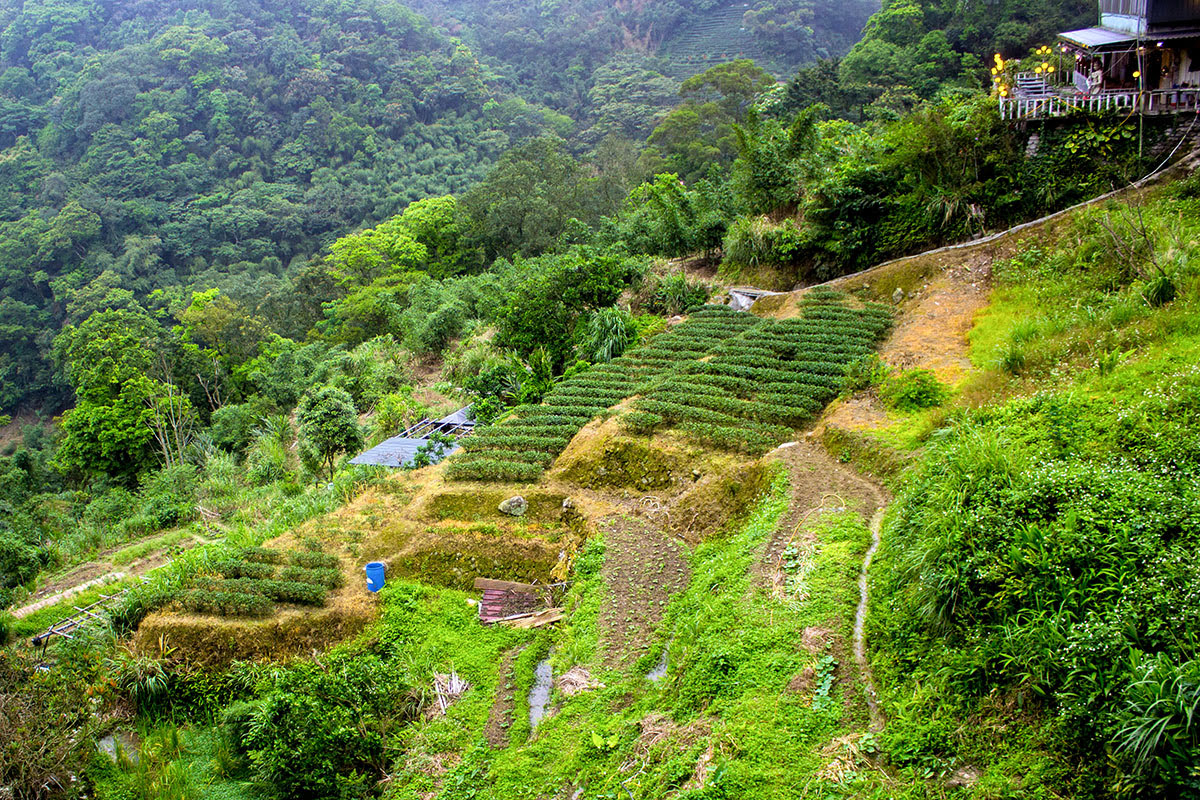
(237, 568)
(513, 441)
(519, 447)
(329, 577)
(763, 383)
(282, 591)
(492, 469)
(519, 456)
(227, 604)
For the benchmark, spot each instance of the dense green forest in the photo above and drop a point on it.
(167, 147)
(241, 241)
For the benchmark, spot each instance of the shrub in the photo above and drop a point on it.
(228, 604)
(261, 555)
(169, 495)
(609, 331)
(730, 437)
(674, 294)
(436, 329)
(240, 568)
(19, 562)
(491, 469)
(268, 461)
(329, 577)
(1159, 290)
(641, 421)
(914, 390)
(280, 590)
(109, 508)
(232, 426)
(863, 373)
(322, 727)
(518, 456)
(752, 241)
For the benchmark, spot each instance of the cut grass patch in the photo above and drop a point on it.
(139, 550)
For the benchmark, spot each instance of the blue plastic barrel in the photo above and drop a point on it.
(375, 571)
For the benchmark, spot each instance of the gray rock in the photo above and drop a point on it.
(897, 295)
(514, 506)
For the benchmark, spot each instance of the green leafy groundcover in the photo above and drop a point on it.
(731, 650)
(1045, 553)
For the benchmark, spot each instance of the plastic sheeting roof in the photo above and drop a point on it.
(1104, 37)
(1097, 37)
(399, 450)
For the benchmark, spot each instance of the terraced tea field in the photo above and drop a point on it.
(716, 38)
(726, 379)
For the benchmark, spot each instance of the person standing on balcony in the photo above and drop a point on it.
(1096, 78)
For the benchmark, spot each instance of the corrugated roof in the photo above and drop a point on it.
(458, 417)
(399, 450)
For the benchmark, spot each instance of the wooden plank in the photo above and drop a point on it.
(547, 617)
(506, 586)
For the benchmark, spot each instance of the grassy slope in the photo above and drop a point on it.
(1063, 321)
(724, 709)
(1078, 377)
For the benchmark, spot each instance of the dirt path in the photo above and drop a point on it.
(500, 718)
(819, 483)
(643, 567)
(936, 318)
(55, 599)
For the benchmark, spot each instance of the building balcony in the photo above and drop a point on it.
(1035, 100)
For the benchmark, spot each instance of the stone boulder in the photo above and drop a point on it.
(514, 506)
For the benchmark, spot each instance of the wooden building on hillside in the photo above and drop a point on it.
(1143, 57)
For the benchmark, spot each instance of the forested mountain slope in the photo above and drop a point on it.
(150, 145)
(551, 48)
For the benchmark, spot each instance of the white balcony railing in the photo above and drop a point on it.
(1170, 101)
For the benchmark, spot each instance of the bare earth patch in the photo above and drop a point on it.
(930, 333)
(500, 718)
(643, 567)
